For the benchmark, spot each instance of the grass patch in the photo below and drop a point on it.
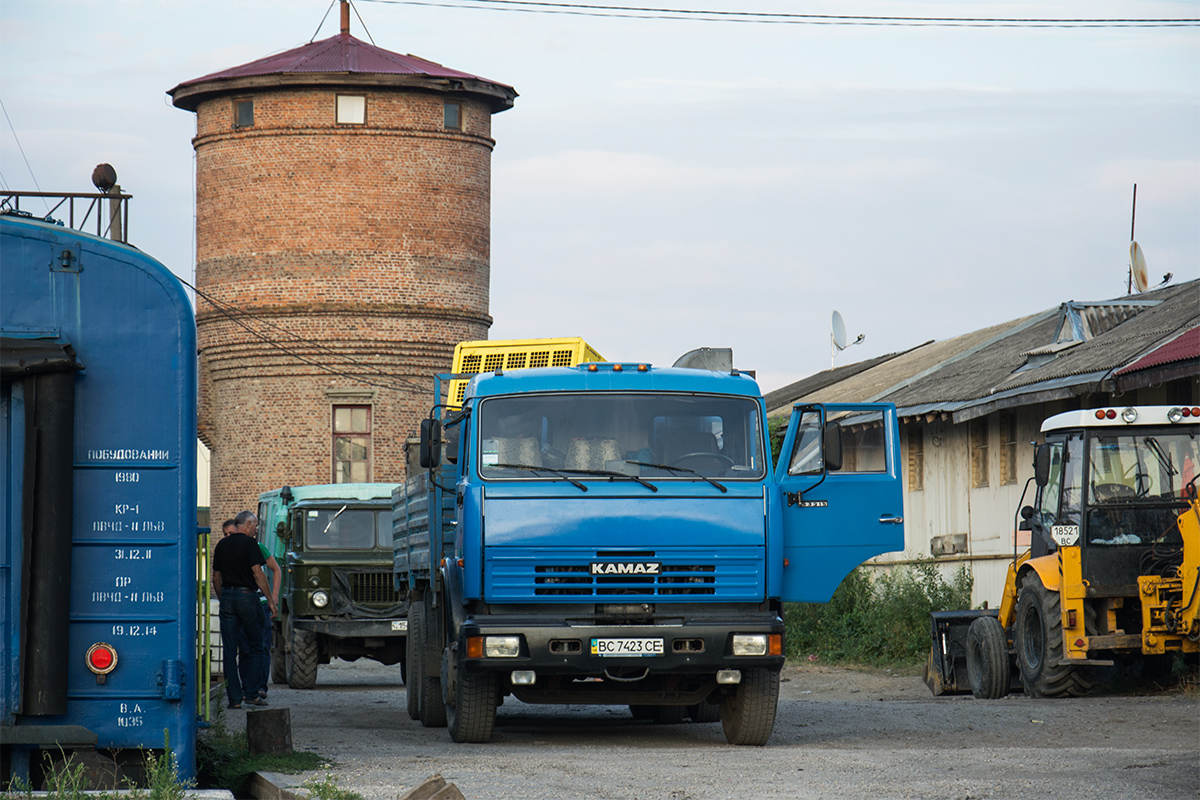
(326, 788)
(223, 759)
(876, 617)
(67, 779)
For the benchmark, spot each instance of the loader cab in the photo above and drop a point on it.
(1116, 483)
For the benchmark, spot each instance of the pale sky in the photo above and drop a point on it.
(663, 185)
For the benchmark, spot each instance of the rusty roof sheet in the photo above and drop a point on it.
(1183, 347)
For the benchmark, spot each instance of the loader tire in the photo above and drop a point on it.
(988, 669)
(748, 714)
(1038, 635)
(415, 659)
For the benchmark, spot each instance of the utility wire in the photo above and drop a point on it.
(236, 316)
(22, 149)
(769, 18)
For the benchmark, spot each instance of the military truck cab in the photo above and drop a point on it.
(334, 545)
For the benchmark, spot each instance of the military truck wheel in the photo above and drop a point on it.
(415, 659)
(1038, 634)
(430, 705)
(705, 711)
(278, 665)
(748, 714)
(300, 664)
(988, 669)
(471, 714)
(642, 712)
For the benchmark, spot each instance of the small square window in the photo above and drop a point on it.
(452, 116)
(243, 113)
(351, 109)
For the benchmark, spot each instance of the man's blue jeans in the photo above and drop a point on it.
(256, 685)
(241, 613)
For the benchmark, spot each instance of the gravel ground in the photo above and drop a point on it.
(839, 734)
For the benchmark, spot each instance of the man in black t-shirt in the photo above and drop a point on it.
(237, 579)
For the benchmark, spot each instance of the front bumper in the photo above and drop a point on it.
(349, 628)
(560, 646)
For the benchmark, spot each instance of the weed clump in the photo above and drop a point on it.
(877, 617)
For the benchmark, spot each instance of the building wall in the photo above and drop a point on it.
(360, 250)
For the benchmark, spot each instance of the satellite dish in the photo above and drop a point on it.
(1137, 268)
(839, 331)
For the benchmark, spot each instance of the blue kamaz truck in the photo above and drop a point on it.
(616, 533)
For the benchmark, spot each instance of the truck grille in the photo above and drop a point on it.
(373, 589)
(576, 580)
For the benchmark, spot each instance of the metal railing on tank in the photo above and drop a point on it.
(78, 207)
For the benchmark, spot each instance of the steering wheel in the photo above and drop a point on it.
(1107, 492)
(715, 457)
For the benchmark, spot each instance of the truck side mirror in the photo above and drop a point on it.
(832, 446)
(431, 443)
(1041, 464)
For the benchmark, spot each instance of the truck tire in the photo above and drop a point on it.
(748, 713)
(669, 715)
(300, 663)
(430, 705)
(415, 659)
(705, 711)
(1038, 635)
(642, 712)
(472, 714)
(988, 669)
(278, 663)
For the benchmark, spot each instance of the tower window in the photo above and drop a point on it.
(243, 113)
(351, 109)
(452, 116)
(351, 444)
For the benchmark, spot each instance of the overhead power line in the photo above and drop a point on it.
(239, 317)
(773, 18)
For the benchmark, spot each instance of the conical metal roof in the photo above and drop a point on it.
(342, 60)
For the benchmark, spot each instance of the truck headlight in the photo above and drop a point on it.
(320, 599)
(749, 644)
(502, 646)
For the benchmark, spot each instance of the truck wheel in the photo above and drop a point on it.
(473, 713)
(988, 669)
(415, 659)
(1038, 635)
(430, 705)
(748, 714)
(705, 711)
(300, 663)
(278, 662)
(642, 712)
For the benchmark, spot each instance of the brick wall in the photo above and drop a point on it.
(363, 249)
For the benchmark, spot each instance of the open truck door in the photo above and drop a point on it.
(841, 497)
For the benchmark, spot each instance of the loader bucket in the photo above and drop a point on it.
(946, 667)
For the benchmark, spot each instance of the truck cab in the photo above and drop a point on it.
(619, 534)
(333, 543)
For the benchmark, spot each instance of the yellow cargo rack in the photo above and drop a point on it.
(472, 358)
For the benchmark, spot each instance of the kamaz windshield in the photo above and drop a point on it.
(651, 436)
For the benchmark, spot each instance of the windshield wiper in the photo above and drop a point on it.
(669, 468)
(1164, 460)
(562, 473)
(335, 516)
(535, 468)
(611, 474)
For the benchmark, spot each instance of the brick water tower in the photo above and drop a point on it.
(342, 245)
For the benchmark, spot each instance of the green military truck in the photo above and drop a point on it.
(334, 545)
